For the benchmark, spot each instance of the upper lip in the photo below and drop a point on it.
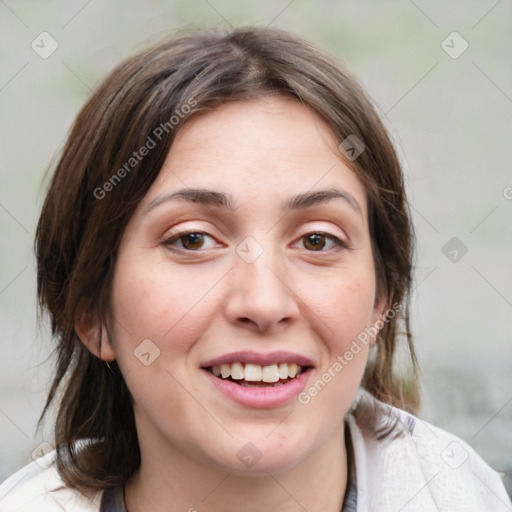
(249, 356)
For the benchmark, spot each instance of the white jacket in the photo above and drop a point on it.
(425, 470)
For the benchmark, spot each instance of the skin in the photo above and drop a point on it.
(195, 305)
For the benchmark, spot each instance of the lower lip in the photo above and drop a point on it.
(260, 397)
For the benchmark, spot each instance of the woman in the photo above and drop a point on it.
(225, 253)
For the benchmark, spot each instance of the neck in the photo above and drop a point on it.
(316, 484)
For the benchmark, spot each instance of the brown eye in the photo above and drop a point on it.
(321, 242)
(190, 241)
(314, 241)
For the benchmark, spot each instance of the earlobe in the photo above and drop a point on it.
(90, 331)
(378, 318)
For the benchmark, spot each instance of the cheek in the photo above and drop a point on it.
(161, 302)
(164, 304)
(345, 307)
(343, 312)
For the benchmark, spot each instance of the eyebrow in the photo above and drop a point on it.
(194, 195)
(221, 200)
(308, 199)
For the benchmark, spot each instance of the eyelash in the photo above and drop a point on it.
(177, 237)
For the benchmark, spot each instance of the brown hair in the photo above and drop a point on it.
(149, 96)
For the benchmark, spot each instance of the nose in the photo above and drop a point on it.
(261, 297)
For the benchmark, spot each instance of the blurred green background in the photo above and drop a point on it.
(448, 111)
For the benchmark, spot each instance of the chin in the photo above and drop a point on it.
(267, 450)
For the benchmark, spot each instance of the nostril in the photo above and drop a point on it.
(262, 322)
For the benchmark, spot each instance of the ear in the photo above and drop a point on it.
(382, 306)
(89, 328)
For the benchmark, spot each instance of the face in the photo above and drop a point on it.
(250, 255)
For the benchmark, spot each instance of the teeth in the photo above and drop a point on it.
(270, 373)
(237, 371)
(225, 370)
(257, 373)
(253, 372)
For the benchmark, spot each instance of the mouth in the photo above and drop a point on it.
(259, 380)
(252, 375)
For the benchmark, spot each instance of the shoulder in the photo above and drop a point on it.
(422, 467)
(38, 487)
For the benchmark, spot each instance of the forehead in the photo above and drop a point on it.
(266, 149)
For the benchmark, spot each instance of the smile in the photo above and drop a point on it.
(257, 375)
(259, 380)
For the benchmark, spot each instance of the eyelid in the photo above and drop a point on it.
(326, 227)
(184, 226)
